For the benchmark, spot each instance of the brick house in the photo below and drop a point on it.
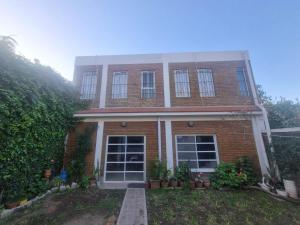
(200, 108)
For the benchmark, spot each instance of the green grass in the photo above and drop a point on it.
(176, 207)
(62, 207)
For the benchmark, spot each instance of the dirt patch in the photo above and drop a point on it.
(77, 207)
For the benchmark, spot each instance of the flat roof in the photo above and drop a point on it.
(163, 57)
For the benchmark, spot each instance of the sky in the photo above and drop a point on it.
(55, 31)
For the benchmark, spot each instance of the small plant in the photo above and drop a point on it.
(84, 183)
(245, 165)
(226, 175)
(57, 181)
(182, 172)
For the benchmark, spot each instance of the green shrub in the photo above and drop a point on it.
(158, 170)
(36, 112)
(182, 172)
(226, 175)
(84, 182)
(245, 165)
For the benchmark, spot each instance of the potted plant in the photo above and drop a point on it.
(182, 174)
(199, 180)
(155, 174)
(165, 176)
(173, 181)
(57, 181)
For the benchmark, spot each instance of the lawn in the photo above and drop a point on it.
(77, 207)
(180, 207)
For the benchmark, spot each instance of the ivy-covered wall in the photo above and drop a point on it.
(36, 111)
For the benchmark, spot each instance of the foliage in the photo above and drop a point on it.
(226, 175)
(84, 182)
(77, 164)
(57, 181)
(287, 156)
(281, 113)
(245, 165)
(182, 172)
(158, 170)
(36, 111)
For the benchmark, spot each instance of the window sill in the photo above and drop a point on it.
(204, 170)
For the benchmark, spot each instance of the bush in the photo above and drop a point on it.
(245, 165)
(158, 170)
(182, 172)
(36, 112)
(226, 175)
(84, 183)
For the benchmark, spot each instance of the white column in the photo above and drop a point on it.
(103, 86)
(166, 84)
(98, 148)
(260, 146)
(169, 145)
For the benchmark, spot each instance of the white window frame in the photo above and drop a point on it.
(188, 94)
(148, 88)
(208, 86)
(124, 171)
(88, 92)
(206, 170)
(120, 95)
(247, 93)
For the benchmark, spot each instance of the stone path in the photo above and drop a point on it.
(133, 211)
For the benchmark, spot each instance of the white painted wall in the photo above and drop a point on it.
(169, 145)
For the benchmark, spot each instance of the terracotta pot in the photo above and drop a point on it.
(164, 184)
(147, 185)
(47, 173)
(206, 183)
(180, 183)
(155, 184)
(93, 182)
(11, 205)
(173, 183)
(199, 184)
(192, 184)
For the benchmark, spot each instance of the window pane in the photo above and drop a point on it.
(116, 140)
(115, 157)
(115, 176)
(134, 176)
(135, 148)
(115, 167)
(148, 84)
(135, 139)
(134, 166)
(185, 139)
(119, 85)
(206, 83)
(116, 148)
(88, 85)
(187, 156)
(207, 164)
(206, 155)
(242, 82)
(205, 147)
(135, 157)
(182, 85)
(186, 147)
(204, 139)
(191, 164)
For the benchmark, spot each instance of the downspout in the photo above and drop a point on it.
(159, 138)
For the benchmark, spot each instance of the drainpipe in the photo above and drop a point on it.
(159, 138)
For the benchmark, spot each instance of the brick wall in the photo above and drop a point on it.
(71, 145)
(225, 84)
(234, 138)
(134, 86)
(148, 129)
(79, 70)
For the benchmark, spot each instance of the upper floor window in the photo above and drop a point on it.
(88, 85)
(148, 84)
(182, 84)
(206, 83)
(240, 73)
(119, 85)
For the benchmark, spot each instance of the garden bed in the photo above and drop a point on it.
(93, 206)
(211, 207)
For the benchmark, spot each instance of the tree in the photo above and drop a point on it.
(281, 113)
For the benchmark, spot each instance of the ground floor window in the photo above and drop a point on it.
(198, 151)
(125, 158)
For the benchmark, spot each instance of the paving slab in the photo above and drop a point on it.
(133, 211)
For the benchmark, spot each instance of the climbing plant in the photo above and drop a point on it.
(36, 111)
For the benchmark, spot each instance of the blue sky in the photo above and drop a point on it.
(57, 31)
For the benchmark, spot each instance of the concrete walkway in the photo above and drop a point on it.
(133, 211)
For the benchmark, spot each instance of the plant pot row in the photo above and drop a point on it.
(156, 184)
